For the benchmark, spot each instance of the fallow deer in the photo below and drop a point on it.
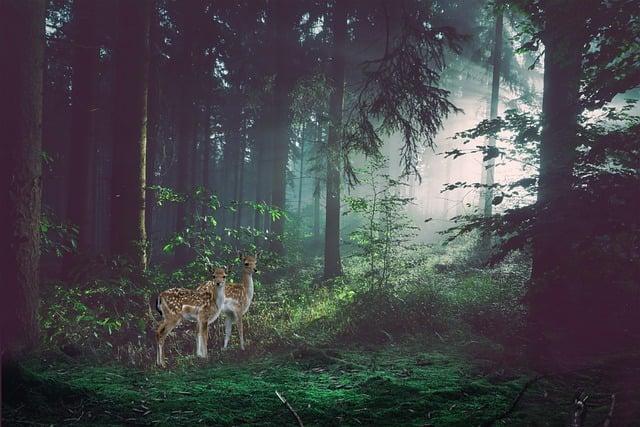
(202, 305)
(238, 297)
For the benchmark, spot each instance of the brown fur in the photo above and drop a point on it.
(199, 305)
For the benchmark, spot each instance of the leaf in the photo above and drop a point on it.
(497, 200)
(168, 248)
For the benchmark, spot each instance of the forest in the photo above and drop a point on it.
(320, 212)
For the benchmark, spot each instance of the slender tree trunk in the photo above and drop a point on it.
(128, 237)
(302, 140)
(317, 188)
(551, 305)
(21, 85)
(187, 123)
(153, 122)
(240, 180)
(488, 167)
(332, 262)
(81, 210)
(284, 23)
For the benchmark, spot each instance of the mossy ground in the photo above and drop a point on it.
(410, 384)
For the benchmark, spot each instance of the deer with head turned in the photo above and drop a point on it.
(202, 305)
(238, 297)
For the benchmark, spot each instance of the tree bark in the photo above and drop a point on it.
(81, 201)
(153, 121)
(21, 85)
(284, 40)
(128, 237)
(186, 121)
(488, 167)
(303, 136)
(549, 296)
(332, 262)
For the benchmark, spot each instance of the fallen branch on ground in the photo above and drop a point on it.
(290, 408)
(515, 402)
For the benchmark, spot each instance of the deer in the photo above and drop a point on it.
(202, 305)
(237, 299)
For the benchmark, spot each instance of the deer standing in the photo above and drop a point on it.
(238, 297)
(202, 305)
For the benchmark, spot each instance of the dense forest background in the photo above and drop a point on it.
(442, 195)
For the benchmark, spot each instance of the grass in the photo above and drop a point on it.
(408, 385)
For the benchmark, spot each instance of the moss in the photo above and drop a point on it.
(408, 386)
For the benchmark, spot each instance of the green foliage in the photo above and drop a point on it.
(210, 243)
(600, 207)
(57, 237)
(386, 227)
(401, 386)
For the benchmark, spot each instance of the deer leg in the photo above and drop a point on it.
(201, 341)
(165, 328)
(240, 330)
(228, 322)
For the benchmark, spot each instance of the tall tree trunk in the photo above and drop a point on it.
(21, 85)
(332, 262)
(240, 179)
(551, 305)
(283, 26)
(153, 122)
(187, 122)
(317, 188)
(81, 199)
(128, 237)
(302, 140)
(488, 167)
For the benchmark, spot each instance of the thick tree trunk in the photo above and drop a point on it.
(488, 167)
(128, 236)
(551, 305)
(81, 201)
(21, 85)
(332, 262)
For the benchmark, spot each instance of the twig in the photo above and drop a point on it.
(515, 402)
(290, 408)
(580, 406)
(607, 420)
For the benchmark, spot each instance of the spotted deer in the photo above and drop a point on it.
(202, 305)
(238, 297)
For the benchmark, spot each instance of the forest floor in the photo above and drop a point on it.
(408, 384)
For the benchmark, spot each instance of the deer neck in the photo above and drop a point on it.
(247, 283)
(219, 296)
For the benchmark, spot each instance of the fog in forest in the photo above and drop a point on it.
(320, 212)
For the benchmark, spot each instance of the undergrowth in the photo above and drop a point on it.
(401, 385)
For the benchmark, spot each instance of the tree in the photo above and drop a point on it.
(564, 39)
(153, 119)
(22, 50)
(128, 236)
(83, 110)
(488, 166)
(332, 263)
(284, 21)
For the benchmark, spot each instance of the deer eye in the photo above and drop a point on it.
(246, 263)
(224, 276)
